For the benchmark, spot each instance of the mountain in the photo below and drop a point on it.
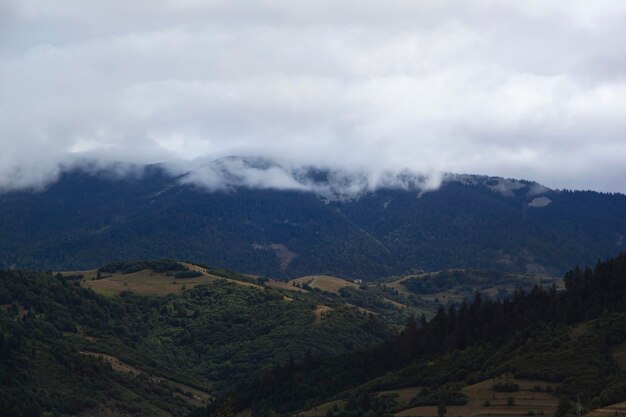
(260, 217)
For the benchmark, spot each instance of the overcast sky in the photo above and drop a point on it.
(526, 89)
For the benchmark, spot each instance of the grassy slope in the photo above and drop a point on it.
(525, 401)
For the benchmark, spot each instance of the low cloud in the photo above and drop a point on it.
(521, 89)
(230, 173)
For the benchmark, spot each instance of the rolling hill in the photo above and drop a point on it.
(126, 340)
(533, 354)
(169, 338)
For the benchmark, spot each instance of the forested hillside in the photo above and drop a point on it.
(571, 339)
(169, 338)
(87, 219)
(67, 349)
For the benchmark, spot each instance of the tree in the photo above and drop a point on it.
(441, 410)
(563, 407)
(225, 409)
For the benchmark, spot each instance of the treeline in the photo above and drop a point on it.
(588, 295)
(128, 267)
(466, 280)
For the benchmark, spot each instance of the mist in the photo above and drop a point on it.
(369, 90)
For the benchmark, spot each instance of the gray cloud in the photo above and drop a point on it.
(528, 89)
(331, 183)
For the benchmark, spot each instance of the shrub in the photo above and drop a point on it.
(187, 274)
(507, 386)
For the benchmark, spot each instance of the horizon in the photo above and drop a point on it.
(212, 175)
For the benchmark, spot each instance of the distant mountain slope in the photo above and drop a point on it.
(324, 223)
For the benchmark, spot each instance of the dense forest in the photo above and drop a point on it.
(87, 219)
(529, 335)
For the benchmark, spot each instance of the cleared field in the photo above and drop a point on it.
(144, 282)
(526, 401)
(613, 410)
(403, 394)
(116, 364)
(147, 282)
(203, 271)
(399, 286)
(325, 283)
(361, 309)
(88, 274)
(397, 305)
(328, 284)
(319, 311)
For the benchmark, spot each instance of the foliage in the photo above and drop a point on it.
(466, 281)
(529, 336)
(261, 351)
(506, 386)
(217, 334)
(187, 274)
(128, 267)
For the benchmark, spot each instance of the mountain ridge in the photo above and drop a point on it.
(89, 218)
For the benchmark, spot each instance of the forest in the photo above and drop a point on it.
(244, 345)
(529, 335)
(208, 338)
(88, 219)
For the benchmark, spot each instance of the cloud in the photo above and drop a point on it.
(522, 89)
(330, 183)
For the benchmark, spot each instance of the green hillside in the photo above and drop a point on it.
(167, 338)
(67, 349)
(569, 340)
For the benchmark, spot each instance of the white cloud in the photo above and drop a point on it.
(524, 89)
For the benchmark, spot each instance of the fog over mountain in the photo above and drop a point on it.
(236, 172)
(513, 89)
